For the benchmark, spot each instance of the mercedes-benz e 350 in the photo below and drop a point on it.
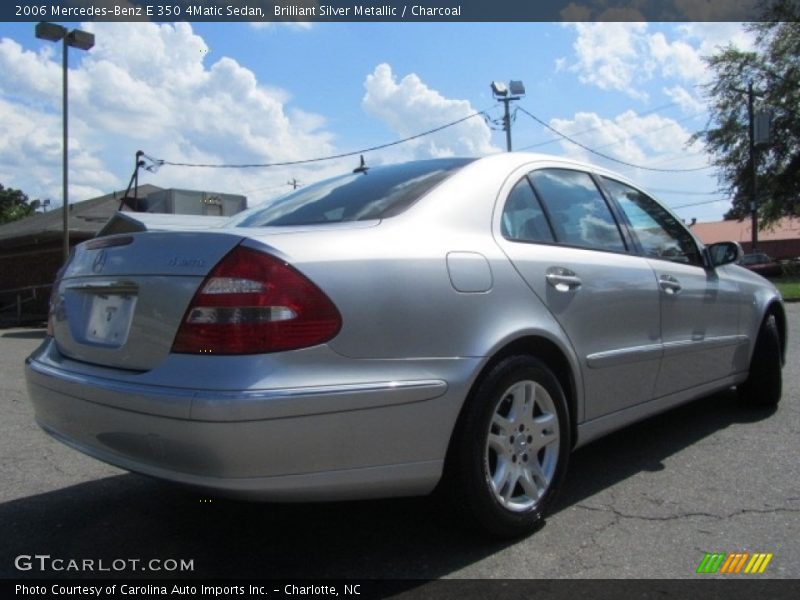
(450, 324)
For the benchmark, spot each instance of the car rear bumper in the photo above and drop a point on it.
(299, 443)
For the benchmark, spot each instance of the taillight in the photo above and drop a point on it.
(54, 305)
(252, 303)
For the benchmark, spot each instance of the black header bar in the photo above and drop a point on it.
(386, 10)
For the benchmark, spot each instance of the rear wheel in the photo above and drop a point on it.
(764, 384)
(511, 448)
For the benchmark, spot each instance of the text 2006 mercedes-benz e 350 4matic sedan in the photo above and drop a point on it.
(454, 322)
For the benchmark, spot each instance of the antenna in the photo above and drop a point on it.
(362, 168)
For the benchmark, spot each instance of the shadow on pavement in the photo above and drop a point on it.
(645, 445)
(129, 516)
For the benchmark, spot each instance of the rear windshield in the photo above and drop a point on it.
(378, 193)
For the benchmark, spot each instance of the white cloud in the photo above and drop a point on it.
(629, 137)
(677, 58)
(609, 56)
(35, 76)
(147, 86)
(625, 56)
(688, 102)
(151, 87)
(710, 37)
(410, 107)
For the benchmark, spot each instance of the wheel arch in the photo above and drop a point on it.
(775, 308)
(553, 357)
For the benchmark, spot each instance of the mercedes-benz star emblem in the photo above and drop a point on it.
(99, 262)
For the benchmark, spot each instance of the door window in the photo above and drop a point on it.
(661, 235)
(577, 210)
(523, 218)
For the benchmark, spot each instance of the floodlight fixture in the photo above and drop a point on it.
(499, 88)
(83, 40)
(50, 31)
(516, 87)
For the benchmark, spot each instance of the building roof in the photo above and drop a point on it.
(741, 231)
(85, 220)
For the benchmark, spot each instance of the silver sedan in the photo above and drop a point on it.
(455, 324)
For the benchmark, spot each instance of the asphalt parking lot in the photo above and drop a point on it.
(646, 502)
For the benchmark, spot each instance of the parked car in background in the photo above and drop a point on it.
(761, 263)
(456, 323)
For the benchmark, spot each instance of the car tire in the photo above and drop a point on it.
(764, 384)
(510, 449)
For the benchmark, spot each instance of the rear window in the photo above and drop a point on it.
(379, 193)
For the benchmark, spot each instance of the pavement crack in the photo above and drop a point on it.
(618, 514)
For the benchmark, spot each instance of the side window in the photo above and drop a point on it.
(660, 234)
(523, 219)
(577, 209)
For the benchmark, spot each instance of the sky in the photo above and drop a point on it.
(245, 93)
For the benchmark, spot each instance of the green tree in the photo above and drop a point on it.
(14, 205)
(773, 68)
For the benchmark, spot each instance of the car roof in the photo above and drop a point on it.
(511, 160)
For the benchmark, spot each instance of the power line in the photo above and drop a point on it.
(324, 158)
(683, 192)
(606, 156)
(262, 188)
(695, 204)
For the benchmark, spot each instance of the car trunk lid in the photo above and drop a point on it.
(121, 298)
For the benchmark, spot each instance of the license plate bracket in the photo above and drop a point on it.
(110, 319)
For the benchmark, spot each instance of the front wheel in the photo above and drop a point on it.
(511, 448)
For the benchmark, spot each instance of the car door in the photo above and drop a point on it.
(699, 309)
(561, 236)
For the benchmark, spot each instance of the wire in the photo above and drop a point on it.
(606, 156)
(683, 192)
(696, 204)
(324, 158)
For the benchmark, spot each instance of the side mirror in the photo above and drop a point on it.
(724, 253)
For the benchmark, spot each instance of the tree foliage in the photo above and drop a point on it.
(773, 68)
(14, 205)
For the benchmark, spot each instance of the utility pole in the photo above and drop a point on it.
(753, 189)
(294, 183)
(507, 94)
(507, 122)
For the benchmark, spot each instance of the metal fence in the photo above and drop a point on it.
(22, 297)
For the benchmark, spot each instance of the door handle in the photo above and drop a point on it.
(669, 284)
(563, 280)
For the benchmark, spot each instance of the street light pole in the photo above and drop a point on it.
(83, 41)
(65, 136)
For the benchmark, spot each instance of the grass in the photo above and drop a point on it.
(789, 287)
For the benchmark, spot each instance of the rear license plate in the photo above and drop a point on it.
(110, 319)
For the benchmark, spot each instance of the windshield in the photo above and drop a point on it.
(378, 193)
